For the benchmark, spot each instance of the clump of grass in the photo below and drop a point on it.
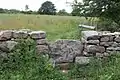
(25, 64)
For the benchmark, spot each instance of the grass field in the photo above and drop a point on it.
(57, 27)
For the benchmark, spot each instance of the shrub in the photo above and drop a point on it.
(107, 25)
(25, 64)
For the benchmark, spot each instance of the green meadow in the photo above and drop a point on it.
(57, 27)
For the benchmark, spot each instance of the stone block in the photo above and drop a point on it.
(117, 39)
(7, 46)
(99, 55)
(113, 49)
(105, 38)
(38, 34)
(41, 41)
(64, 59)
(72, 47)
(20, 34)
(93, 42)
(106, 44)
(82, 60)
(42, 49)
(90, 35)
(5, 35)
(95, 49)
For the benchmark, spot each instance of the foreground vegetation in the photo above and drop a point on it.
(24, 63)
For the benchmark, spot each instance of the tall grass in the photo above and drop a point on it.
(57, 27)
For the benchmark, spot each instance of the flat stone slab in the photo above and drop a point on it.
(113, 49)
(90, 35)
(93, 42)
(82, 60)
(62, 47)
(95, 49)
(106, 44)
(20, 34)
(38, 34)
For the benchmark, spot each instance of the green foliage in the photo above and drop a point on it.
(77, 9)
(98, 69)
(107, 25)
(47, 8)
(108, 9)
(63, 13)
(25, 64)
(2, 10)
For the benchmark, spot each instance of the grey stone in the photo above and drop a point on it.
(117, 48)
(90, 35)
(113, 48)
(95, 49)
(83, 40)
(95, 37)
(20, 34)
(105, 38)
(11, 44)
(106, 54)
(66, 49)
(7, 46)
(106, 44)
(41, 41)
(117, 39)
(62, 47)
(87, 54)
(42, 49)
(5, 35)
(82, 60)
(94, 42)
(111, 52)
(38, 34)
(112, 38)
(115, 44)
(99, 55)
(64, 59)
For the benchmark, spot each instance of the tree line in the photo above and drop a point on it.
(47, 8)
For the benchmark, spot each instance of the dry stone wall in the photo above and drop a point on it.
(8, 40)
(100, 44)
(63, 52)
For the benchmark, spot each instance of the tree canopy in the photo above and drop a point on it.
(109, 9)
(47, 8)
